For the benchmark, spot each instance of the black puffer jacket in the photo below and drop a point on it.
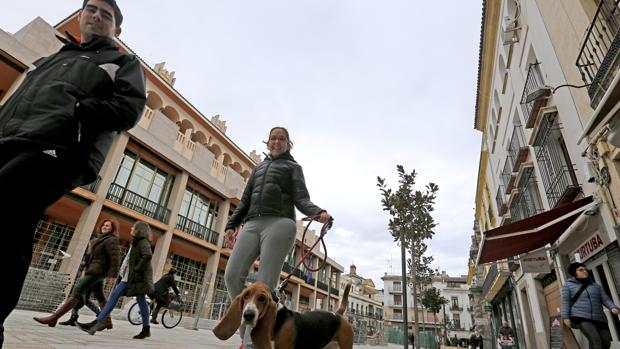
(75, 101)
(275, 188)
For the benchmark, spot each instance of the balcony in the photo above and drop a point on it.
(396, 289)
(138, 203)
(92, 187)
(508, 179)
(489, 279)
(455, 307)
(598, 58)
(530, 106)
(334, 291)
(499, 200)
(518, 148)
(556, 169)
(198, 230)
(287, 268)
(322, 286)
(526, 201)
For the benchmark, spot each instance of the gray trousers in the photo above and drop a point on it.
(268, 237)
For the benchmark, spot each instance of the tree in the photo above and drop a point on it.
(410, 223)
(433, 301)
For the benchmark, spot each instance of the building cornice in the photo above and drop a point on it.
(486, 60)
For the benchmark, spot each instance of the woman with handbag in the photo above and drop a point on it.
(582, 306)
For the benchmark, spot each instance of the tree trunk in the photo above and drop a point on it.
(404, 290)
(416, 329)
(435, 325)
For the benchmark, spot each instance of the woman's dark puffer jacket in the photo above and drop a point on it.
(105, 256)
(140, 278)
(275, 188)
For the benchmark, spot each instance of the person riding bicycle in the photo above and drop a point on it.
(160, 295)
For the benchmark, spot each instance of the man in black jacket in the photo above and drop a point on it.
(57, 128)
(162, 287)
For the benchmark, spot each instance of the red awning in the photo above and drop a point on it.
(530, 233)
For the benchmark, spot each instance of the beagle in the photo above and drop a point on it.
(281, 328)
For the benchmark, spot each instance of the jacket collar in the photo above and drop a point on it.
(101, 238)
(98, 42)
(285, 156)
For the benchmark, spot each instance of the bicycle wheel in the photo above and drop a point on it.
(134, 316)
(171, 318)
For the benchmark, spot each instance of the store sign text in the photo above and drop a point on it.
(592, 245)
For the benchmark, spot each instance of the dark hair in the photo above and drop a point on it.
(118, 16)
(572, 268)
(288, 137)
(172, 271)
(141, 229)
(112, 221)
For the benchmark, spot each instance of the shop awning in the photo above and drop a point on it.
(530, 233)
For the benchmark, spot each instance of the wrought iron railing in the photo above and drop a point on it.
(507, 177)
(323, 286)
(489, 279)
(92, 187)
(198, 230)
(533, 82)
(597, 60)
(138, 203)
(499, 200)
(456, 308)
(556, 169)
(334, 291)
(526, 202)
(287, 268)
(517, 150)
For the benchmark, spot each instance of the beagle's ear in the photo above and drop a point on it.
(262, 333)
(231, 320)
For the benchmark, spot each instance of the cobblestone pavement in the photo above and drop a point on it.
(21, 332)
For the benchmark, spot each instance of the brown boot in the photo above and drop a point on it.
(64, 308)
(107, 321)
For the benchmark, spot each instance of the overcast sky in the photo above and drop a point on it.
(361, 85)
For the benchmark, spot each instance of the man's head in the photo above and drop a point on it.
(99, 18)
(505, 323)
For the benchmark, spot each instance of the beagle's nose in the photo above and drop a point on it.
(248, 315)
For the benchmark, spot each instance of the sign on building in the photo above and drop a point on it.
(535, 262)
(591, 246)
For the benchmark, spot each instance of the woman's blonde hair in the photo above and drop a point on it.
(141, 229)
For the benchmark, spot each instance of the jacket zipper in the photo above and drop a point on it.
(79, 131)
(260, 198)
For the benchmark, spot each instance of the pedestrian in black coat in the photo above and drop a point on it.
(57, 127)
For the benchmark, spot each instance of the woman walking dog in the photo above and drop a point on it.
(267, 212)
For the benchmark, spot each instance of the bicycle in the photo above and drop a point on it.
(171, 314)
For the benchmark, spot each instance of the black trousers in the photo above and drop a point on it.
(30, 181)
(597, 333)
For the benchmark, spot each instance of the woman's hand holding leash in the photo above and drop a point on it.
(324, 217)
(230, 236)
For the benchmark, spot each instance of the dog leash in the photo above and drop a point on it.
(326, 227)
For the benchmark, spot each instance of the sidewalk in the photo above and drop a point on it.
(21, 332)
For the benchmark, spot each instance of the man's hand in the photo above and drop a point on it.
(567, 322)
(615, 311)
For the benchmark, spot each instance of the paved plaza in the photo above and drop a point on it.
(21, 332)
